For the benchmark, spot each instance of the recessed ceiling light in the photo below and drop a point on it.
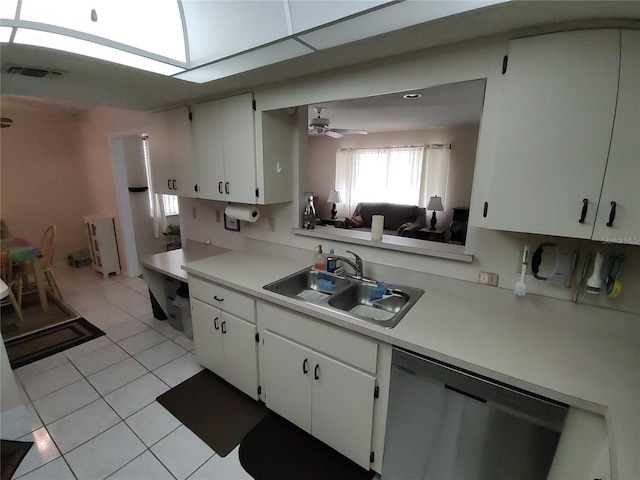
(411, 96)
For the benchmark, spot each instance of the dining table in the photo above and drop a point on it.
(21, 251)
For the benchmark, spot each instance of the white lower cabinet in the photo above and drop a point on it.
(304, 379)
(225, 343)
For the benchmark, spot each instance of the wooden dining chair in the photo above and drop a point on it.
(46, 248)
(10, 299)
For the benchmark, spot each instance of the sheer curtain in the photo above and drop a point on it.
(436, 173)
(390, 174)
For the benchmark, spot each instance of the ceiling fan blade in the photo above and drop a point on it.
(333, 134)
(348, 131)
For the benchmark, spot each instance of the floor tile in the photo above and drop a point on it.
(141, 341)
(55, 470)
(178, 370)
(160, 354)
(19, 421)
(116, 376)
(184, 342)
(152, 423)
(182, 452)
(100, 359)
(66, 400)
(139, 309)
(218, 467)
(41, 452)
(87, 347)
(80, 426)
(51, 380)
(106, 320)
(143, 467)
(41, 366)
(125, 330)
(165, 328)
(117, 447)
(136, 395)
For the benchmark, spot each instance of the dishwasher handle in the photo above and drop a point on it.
(466, 394)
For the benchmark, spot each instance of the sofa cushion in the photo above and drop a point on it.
(394, 214)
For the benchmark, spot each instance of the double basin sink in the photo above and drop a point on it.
(381, 303)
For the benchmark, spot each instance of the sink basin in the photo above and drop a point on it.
(381, 303)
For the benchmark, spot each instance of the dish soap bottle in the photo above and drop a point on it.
(332, 262)
(320, 260)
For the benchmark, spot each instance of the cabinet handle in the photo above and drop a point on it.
(305, 366)
(215, 323)
(218, 299)
(226, 188)
(173, 184)
(224, 327)
(612, 214)
(169, 184)
(219, 187)
(485, 209)
(585, 206)
(316, 372)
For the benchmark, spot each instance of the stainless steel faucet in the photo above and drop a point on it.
(357, 265)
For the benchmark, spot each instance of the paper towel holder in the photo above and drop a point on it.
(231, 223)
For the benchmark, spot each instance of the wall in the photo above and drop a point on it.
(43, 179)
(322, 151)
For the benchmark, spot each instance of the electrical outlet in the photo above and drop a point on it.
(194, 212)
(218, 216)
(272, 224)
(488, 278)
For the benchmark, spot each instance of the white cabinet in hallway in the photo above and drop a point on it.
(550, 147)
(224, 334)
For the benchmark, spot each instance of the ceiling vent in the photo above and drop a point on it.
(33, 72)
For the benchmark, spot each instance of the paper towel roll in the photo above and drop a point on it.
(242, 212)
(377, 225)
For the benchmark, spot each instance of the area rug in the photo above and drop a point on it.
(216, 411)
(276, 449)
(12, 454)
(34, 317)
(50, 340)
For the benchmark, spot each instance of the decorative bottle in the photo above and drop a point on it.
(309, 216)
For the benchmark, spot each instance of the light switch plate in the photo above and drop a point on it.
(488, 278)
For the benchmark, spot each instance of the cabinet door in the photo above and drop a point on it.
(240, 354)
(285, 374)
(622, 178)
(342, 413)
(207, 338)
(181, 152)
(160, 154)
(554, 128)
(239, 148)
(207, 134)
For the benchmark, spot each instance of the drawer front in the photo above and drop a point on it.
(348, 347)
(223, 298)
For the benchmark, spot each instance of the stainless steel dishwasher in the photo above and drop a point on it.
(445, 423)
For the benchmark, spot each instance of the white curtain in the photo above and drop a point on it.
(436, 173)
(157, 213)
(390, 174)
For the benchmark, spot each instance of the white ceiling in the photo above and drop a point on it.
(438, 107)
(88, 83)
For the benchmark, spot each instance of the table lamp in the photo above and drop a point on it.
(435, 204)
(334, 197)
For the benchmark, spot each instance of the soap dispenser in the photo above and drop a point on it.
(332, 261)
(320, 259)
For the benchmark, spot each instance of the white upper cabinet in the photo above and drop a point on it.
(171, 153)
(224, 135)
(622, 179)
(546, 134)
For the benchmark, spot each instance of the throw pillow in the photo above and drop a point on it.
(403, 227)
(358, 221)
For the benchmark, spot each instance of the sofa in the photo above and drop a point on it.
(404, 220)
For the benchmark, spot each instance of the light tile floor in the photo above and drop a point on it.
(91, 410)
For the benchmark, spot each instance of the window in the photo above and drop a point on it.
(169, 202)
(393, 174)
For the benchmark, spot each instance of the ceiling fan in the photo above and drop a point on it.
(321, 126)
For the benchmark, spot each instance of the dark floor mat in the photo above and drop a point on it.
(51, 340)
(12, 454)
(278, 450)
(217, 412)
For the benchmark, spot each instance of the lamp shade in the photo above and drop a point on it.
(435, 204)
(334, 197)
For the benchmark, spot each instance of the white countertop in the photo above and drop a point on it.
(584, 356)
(170, 263)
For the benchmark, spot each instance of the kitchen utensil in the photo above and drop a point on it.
(577, 295)
(521, 287)
(572, 271)
(594, 283)
(613, 285)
